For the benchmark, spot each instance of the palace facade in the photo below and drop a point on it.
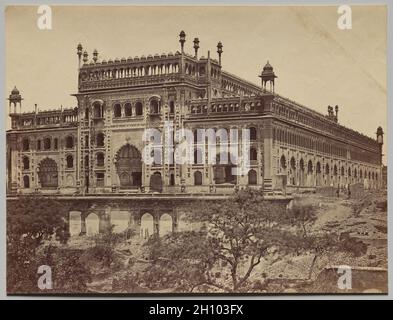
(96, 148)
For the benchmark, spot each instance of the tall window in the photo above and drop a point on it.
(47, 143)
(100, 159)
(98, 110)
(138, 109)
(26, 163)
(253, 154)
(127, 110)
(26, 182)
(117, 110)
(154, 107)
(100, 139)
(70, 161)
(100, 179)
(56, 143)
(171, 107)
(252, 177)
(38, 144)
(25, 144)
(197, 178)
(69, 142)
(253, 134)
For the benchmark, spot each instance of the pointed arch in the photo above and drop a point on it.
(128, 162)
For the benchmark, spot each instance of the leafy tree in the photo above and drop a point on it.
(235, 236)
(31, 221)
(302, 216)
(70, 274)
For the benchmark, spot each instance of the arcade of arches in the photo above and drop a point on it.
(143, 221)
(322, 172)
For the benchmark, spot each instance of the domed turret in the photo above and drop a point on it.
(14, 99)
(267, 75)
(15, 91)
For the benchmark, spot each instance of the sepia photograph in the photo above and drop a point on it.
(196, 150)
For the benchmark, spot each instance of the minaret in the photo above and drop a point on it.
(182, 39)
(267, 75)
(85, 57)
(380, 140)
(14, 99)
(79, 49)
(95, 55)
(219, 51)
(196, 47)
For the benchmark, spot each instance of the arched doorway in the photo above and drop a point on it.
(129, 167)
(48, 173)
(147, 225)
(156, 182)
(252, 177)
(92, 224)
(165, 224)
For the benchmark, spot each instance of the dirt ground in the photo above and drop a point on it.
(362, 219)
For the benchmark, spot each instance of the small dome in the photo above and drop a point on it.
(268, 67)
(15, 91)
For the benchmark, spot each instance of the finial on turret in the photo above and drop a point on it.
(196, 47)
(219, 51)
(95, 55)
(182, 39)
(380, 134)
(79, 49)
(85, 57)
(268, 75)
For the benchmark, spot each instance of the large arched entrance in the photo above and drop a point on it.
(48, 173)
(129, 167)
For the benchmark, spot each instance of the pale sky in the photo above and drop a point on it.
(317, 64)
